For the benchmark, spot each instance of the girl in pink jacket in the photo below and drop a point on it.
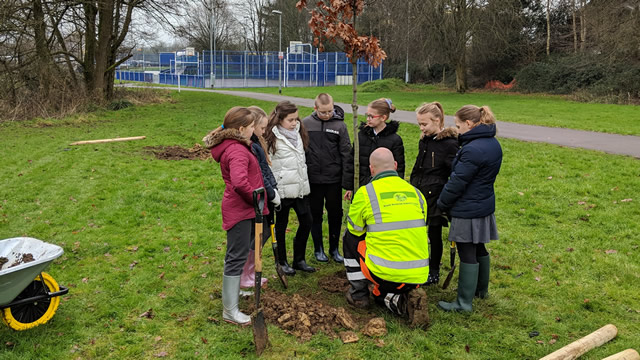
(230, 145)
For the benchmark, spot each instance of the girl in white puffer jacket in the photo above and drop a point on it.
(286, 141)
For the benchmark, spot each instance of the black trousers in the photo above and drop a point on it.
(301, 207)
(435, 254)
(240, 239)
(359, 275)
(469, 252)
(327, 196)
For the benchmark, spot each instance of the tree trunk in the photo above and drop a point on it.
(42, 49)
(103, 49)
(573, 23)
(548, 27)
(461, 74)
(583, 25)
(90, 12)
(354, 107)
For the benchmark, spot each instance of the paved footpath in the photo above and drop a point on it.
(609, 143)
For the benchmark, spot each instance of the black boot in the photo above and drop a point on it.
(318, 248)
(333, 249)
(299, 247)
(288, 270)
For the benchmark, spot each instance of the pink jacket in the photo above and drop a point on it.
(241, 174)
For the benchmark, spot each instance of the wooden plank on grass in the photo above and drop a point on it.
(100, 141)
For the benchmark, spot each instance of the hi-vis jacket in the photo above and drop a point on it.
(393, 215)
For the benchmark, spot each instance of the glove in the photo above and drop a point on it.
(276, 199)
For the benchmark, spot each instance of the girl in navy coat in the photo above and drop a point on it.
(469, 198)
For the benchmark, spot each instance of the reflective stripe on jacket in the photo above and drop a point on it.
(393, 215)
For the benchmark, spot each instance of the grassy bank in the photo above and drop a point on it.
(141, 233)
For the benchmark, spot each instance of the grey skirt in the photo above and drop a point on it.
(476, 231)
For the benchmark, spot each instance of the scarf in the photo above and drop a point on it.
(291, 135)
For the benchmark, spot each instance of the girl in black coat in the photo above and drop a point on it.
(437, 148)
(375, 133)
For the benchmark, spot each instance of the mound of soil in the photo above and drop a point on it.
(335, 283)
(21, 259)
(197, 152)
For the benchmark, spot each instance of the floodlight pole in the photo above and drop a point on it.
(212, 44)
(279, 13)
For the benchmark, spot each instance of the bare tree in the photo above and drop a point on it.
(206, 17)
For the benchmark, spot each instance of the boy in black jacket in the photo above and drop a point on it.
(327, 155)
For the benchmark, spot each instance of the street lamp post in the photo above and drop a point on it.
(279, 13)
(212, 44)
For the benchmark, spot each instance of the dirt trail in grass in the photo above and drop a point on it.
(303, 316)
(197, 152)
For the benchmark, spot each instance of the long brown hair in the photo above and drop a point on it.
(383, 106)
(281, 111)
(235, 118)
(477, 115)
(261, 115)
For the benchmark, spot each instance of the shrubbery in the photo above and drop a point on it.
(585, 77)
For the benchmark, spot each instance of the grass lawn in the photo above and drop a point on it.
(141, 233)
(545, 110)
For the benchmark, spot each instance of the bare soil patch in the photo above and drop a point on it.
(305, 315)
(197, 152)
(335, 283)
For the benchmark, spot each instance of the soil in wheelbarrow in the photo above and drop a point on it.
(197, 152)
(21, 259)
(303, 316)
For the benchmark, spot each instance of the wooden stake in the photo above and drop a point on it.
(579, 347)
(107, 140)
(628, 354)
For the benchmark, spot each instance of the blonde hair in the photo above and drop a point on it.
(323, 99)
(434, 108)
(383, 106)
(477, 115)
(261, 115)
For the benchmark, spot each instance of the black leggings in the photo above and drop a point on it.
(469, 253)
(435, 239)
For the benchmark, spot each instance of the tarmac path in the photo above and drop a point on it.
(609, 143)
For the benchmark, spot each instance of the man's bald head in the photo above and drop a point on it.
(381, 159)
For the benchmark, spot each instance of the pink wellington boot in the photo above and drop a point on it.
(248, 277)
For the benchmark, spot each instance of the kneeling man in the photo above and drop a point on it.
(386, 242)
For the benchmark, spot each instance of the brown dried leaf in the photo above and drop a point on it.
(467, 348)
(611, 251)
(147, 314)
(552, 341)
(133, 264)
(161, 276)
(626, 200)
(161, 354)
(204, 340)
(158, 338)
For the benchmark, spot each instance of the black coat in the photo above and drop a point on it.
(329, 148)
(270, 184)
(369, 141)
(433, 166)
(469, 192)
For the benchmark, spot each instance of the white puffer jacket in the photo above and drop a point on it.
(289, 167)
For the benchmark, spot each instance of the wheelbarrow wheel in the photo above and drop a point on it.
(30, 315)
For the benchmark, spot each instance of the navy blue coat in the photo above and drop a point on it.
(270, 184)
(469, 192)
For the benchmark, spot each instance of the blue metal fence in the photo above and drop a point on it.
(252, 69)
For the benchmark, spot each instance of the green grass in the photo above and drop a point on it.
(559, 211)
(545, 110)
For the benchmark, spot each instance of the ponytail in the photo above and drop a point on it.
(477, 115)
